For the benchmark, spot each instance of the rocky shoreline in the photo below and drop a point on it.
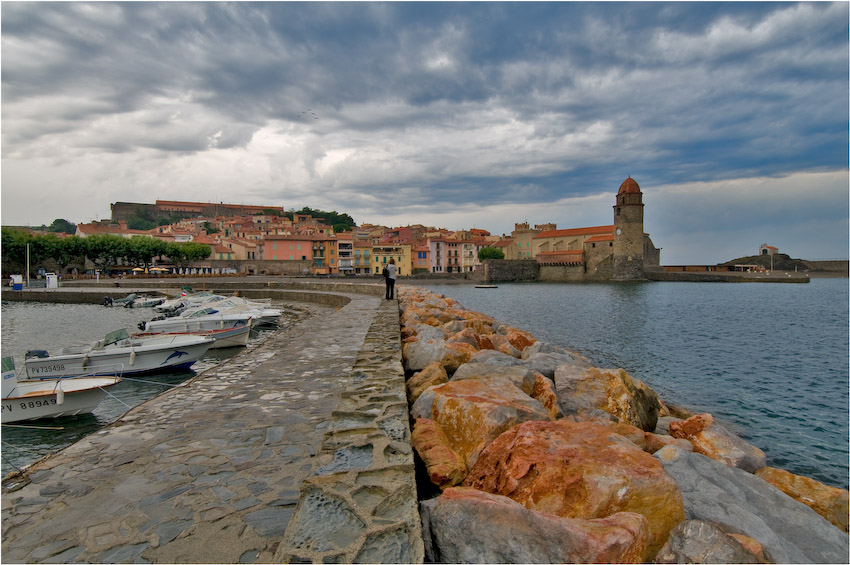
(538, 456)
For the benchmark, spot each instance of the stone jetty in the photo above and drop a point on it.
(538, 456)
(296, 451)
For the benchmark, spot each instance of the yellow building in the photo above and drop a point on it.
(381, 255)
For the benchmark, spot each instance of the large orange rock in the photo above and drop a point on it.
(465, 335)
(713, 440)
(445, 467)
(472, 413)
(579, 470)
(433, 374)
(613, 391)
(465, 525)
(519, 338)
(829, 502)
(456, 354)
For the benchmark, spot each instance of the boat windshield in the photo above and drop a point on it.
(116, 336)
(203, 312)
(8, 364)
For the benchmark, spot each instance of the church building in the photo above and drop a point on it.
(617, 252)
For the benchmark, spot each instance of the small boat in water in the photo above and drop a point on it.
(34, 399)
(115, 302)
(145, 302)
(198, 323)
(227, 337)
(118, 354)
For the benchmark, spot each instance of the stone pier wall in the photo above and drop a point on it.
(360, 504)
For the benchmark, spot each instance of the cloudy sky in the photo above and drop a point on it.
(733, 117)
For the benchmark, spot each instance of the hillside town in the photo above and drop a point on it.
(265, 240)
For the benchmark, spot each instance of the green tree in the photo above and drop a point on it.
(184, 253)
(62, 226)
(141, 250)
(106, 250)
(490, 253)
(13, 245)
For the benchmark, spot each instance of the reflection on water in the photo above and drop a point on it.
(30, 325)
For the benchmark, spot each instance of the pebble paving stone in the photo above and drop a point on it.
(308, 427)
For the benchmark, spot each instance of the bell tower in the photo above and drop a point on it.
(628, 233)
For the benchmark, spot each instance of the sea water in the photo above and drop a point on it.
(768, 360)
(34, 325)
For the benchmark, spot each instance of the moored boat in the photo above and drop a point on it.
(118, 354)
(35, 399)
(227, 337)
(197, 323)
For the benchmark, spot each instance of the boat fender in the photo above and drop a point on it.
(60, 396)
(132, 358)
(85, 361)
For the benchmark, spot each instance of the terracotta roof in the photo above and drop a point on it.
(504, 243)
(595, 238)
(629, 186)
(597, 230)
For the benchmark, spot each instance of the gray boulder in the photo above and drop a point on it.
(465, 525)
(583, 389)
(425, 332)
(419, 354)
(695, 541)
(424, 405)
(789, 531)
(492, 357)
(519, 375)
(546, 363)
(662, 427)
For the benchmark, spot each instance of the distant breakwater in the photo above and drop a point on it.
(536, 455)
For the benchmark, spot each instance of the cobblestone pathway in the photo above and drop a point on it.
(206, 473)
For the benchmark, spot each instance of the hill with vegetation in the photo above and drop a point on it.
(781, 262)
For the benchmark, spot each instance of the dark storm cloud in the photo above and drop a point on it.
(446, 103)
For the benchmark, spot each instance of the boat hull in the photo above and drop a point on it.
(37, 400)
(118, 361)
(231, 337)
(188, 325)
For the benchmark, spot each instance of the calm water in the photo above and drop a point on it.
(31, 325)
(769, 360)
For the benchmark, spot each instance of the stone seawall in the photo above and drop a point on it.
(538, 456)
(730, 277)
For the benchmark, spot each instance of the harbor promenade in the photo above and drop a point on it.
(295, 451)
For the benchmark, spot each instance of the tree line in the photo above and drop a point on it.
(106, 251)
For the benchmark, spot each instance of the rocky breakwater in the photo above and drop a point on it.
(538, 456)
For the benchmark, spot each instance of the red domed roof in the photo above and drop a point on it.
(629, 186)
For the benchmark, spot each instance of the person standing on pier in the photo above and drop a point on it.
(390, 272)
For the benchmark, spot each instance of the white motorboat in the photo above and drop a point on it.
(118, 354)
(201, 322)
(235, 305)
(227, 337)
(34, 399)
